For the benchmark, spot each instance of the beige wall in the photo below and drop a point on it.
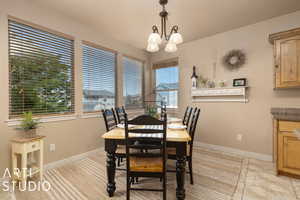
(74, 136)
(221, 122)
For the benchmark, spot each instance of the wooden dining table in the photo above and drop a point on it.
(175, 138)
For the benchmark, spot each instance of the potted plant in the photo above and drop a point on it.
(28, 125)
(152, 111)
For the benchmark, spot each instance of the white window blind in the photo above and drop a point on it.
(98, 78)
(166, 85)
(132, 83)
(41, 71)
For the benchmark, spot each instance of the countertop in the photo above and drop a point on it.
(290, 114)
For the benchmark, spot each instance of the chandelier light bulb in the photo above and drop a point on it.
(176, 38)
(171, 47)
(154, 38)
(157, 37)
(152, 47)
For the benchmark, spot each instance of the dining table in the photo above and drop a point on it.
(176, 138)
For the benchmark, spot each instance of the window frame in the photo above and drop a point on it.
(142, 82)
(96, 46)
(166, 64)
(11, 116)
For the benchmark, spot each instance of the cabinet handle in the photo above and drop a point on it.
(33, 146)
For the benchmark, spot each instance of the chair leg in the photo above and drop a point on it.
(119, 162)
(191, 171)
(164, 188)
(128, 188)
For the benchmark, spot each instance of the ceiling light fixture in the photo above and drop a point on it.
(155, 39)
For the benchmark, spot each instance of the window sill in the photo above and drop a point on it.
(16, 122)
(91, 115)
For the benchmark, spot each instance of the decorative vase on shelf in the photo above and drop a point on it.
(194, 78)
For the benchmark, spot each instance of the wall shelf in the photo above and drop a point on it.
(233, 94)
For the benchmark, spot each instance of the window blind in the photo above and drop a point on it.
(132, 82)
(98, 78)
(41, 71)
(166, 85)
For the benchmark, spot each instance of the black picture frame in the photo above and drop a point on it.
(240, 82)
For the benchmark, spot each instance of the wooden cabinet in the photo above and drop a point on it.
(288, 148)
(287, 58)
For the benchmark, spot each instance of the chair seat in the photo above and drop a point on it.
(139, 164)
(121, 149)
(172, 150)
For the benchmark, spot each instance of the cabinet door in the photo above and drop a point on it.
(291, 153)
(287, 65)
(288, 153)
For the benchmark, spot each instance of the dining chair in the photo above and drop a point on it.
(187, 115)
(163, 111)
(192, 130)
(120, 112)
(111, 123)
(146, 164)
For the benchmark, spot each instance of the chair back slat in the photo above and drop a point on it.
(109, 119)
(187, 116)
(120, 112)
(193, 126)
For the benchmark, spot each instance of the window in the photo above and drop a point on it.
(99, 90)
(40, 71)
(166, 85)
(132, 83)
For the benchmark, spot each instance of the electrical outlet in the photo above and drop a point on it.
(239, 137)
(52, 147)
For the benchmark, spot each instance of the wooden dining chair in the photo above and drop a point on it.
(146, 164)
(163, 111)
(120, 112)
(187, 115)
(192, 130)
(111, 123)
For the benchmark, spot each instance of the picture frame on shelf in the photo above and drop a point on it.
(240, 82)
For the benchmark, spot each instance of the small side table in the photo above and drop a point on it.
(31, 151)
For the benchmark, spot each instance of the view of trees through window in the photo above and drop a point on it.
(41, 71)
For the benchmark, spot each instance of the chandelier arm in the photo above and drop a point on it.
(155, 29)
(174, 29)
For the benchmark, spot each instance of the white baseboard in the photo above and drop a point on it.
(70, 159)
(248, 154)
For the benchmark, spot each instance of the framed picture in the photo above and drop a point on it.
(239, 82)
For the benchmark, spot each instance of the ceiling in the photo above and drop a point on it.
(130, 21)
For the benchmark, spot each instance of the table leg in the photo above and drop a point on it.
(14, 165)
(41, 160)
(180, 170)
(24, 170)
(110, 148)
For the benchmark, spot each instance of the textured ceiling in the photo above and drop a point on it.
(130, 21)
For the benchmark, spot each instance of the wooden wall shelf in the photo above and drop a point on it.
(233, 94)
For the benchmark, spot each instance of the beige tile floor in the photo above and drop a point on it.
(6, 195)
(253, 180)
(261, 183)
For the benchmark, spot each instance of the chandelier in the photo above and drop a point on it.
(172, 39)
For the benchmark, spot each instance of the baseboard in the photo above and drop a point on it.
(248, 154)
(70, 159)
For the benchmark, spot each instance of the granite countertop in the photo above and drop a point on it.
(292, 114)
